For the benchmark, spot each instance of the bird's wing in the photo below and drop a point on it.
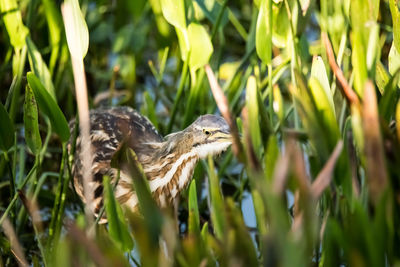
(109, 128)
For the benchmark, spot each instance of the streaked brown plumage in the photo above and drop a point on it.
(167, 162)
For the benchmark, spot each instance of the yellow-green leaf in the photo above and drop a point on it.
(200, 46)
(264, 32)
(13, 22)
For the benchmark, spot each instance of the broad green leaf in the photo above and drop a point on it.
(7, 131)
(174, 13)
(49, 107)
(201, 47)
(39, 67)
(117, 226)
(32, 134)
(194, 218)
(396, 23)
(13, 22)
(318, 71)
(264, 32)
(253, 111)
(75, 29)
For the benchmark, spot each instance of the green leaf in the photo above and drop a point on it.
(13, 22)
(32, 134)
(396, 23)
(49, 107)
(174, 13)
(318, 71)
(194, 218)
(39, 67)
(75, 29)
(7, 131)
(264, 32)
(201, 47)
(183, 40)
(253, 111)
(117, 226)
(324, 103)
(394, 59)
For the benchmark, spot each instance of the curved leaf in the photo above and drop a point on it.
(49, 107)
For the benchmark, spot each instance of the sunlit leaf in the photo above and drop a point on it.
(32, 134)
(253, 111)
(394, 9)
(201, 47)
(174, 13)
(318, 71)
(13, 22)
(264, 32)
(49, 107)
(75, 29)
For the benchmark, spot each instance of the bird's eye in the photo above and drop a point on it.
(206, 132)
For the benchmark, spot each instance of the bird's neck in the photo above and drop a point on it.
(171, 169)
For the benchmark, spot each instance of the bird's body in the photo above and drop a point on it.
(167, 162)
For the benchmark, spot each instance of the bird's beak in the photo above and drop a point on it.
(223, 136)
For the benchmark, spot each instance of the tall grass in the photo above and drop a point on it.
(311, 86)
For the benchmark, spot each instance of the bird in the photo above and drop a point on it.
(168, 162)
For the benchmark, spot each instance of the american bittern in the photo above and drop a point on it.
(167, 162)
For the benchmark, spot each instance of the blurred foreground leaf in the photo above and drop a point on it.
(118, 229)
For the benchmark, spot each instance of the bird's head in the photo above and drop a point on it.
(209, 135)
